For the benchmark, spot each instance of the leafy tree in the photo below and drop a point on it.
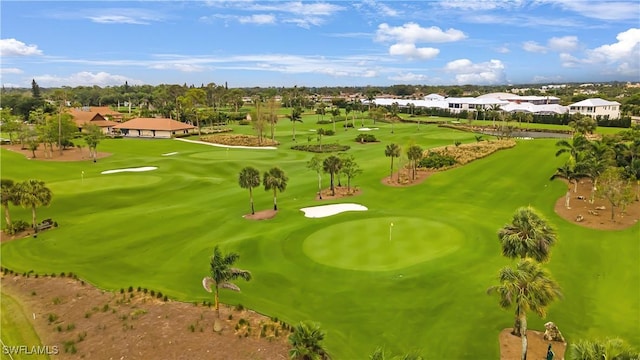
(528, 287)
(583, 124)
(61, 96)
(8, 194)
(315, 164)
(527, 235)
(392, 151)
(276, 180)
(257, 118)
(350, 169)
(306, 342)
(222, 273)
(335, 112)
(609, 349)
(296, 116)
(615, 188)
(249, 178)
(9, 124)
(394, 109)
(32, 194)
(190, 102)
(35, 89)
(414, 154)
(332, 165)
(92, 136)
(272, 114)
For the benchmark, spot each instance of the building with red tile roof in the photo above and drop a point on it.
(153, 127)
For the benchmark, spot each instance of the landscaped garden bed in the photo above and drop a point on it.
(238, 140)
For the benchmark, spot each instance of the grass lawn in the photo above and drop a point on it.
(425, 289)
(16, 329)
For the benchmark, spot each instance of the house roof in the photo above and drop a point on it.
(535, 109)
(595, 102)
(81, 117)
(161, 124)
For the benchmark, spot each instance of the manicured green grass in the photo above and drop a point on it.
(17, 329)
(424, 291)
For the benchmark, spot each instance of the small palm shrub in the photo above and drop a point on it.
(436, 161)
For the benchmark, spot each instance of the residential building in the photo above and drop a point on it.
(596, 108)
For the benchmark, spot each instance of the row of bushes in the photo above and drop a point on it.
(321, 148)
(366, 138)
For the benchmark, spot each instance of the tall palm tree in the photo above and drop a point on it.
(530, 288)
(614, 349)
(8, 194)
(315, 164)
(527, 235)
(248, 179)
(33, 193)
(332, 165)
(577, 144)
(306, 342)
(276, 180)
(392, 151)
(222, 273)
(568, 173)
(414, 153)
(296, 116)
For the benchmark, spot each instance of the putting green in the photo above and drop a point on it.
(375, 245)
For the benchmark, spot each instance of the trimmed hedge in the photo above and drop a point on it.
(321, 148)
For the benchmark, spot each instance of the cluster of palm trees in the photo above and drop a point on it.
(29, 194)
(414, 154)
(275, 180)
(615, 158)
(527, 286)
(335, 165)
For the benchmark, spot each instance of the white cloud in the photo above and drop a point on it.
(379, 8)
(408, 77)
(532, 46)
(414, 33)
(13, 47)
(563, 44)
(602, 10)
(10, 71)
(486, 73)
(298, 7)
(503, 49)
(260, 19)
(412, 52)
(117, 19)
(132, 16)
(475, 5)
(85, 78)
(179, 66)
(623, 55)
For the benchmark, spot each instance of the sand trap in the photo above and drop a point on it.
(329, 210)
(367, 129)
(229, 146)
(138, 169)
(170, 154)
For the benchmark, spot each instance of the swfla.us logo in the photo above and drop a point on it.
(30, 350)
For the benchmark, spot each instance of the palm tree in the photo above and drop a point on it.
(222, 273)
(315, 164)
(276, 180)
(615, 349)
(33, 193)
(528, 235)
(8, 194)
(530, 288)
(379, 354)
(350, 169)
(306, 342)
(248, 179)
(296, 115)
(332, 165)
(577, 144)
(568, 173)
(414, 153)
(392, 151)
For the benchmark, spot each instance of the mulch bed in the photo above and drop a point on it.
(511, 346)
(261, 215)
(71, 154)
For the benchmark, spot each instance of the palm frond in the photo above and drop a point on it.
(207, 282)
(230, 286)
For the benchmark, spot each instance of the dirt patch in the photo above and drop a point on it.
(341, 192)
(598, 214)
(133, 325)
(262, 215)
(511, 346)
(71, 154)
(406, 178)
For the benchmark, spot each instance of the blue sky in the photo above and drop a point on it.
(318, 43)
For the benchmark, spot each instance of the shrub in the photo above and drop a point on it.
(436, 161)
(130, 289)
(366, 138)
(239, 307)
(17, 226)
(152, 293)
(52, 318)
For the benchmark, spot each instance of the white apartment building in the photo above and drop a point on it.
(596, 107)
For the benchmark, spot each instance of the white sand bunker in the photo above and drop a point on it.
(329, 210)
(229, 146)
(367, 129)
(170, 153)
(138, 169)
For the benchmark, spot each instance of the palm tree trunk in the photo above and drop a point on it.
(391, 173)
(333, 188)
(251, 201)
(7, 216)
(33, 216)
(294, 130)
(217, 303)
(275, 205)
(523, 326)
(516, 326)
(319, 185)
